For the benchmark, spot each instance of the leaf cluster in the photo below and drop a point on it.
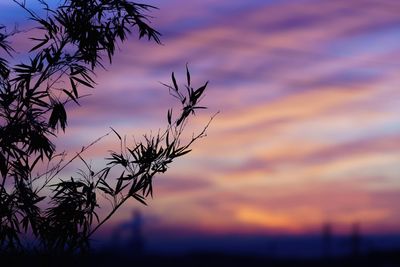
(75, 38)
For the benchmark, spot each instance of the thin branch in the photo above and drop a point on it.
(108, 216)
(78, 154)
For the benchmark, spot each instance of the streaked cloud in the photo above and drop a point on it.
(309, 127)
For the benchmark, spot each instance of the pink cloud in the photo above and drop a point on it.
(309, 125)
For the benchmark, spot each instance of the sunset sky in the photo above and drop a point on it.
(309, 124)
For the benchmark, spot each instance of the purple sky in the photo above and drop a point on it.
(309, 129)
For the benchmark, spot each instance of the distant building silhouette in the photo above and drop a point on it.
(355, 239)
(130, 235)
(327, 240)
(137, 238)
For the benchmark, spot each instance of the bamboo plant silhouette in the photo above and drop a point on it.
(76, 37)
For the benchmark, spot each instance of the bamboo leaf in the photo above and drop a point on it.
(174, 81)
(71, 96)
(187, 75)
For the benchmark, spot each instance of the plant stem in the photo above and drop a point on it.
(108, 216)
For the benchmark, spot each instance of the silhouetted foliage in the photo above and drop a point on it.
(75, 38)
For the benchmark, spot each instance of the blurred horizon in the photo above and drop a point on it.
(309, 125)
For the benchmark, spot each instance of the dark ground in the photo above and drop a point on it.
(387, 258)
